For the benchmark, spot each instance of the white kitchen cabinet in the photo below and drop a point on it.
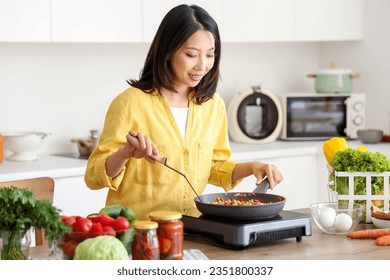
(25, 21)
(154, 11)
(73, 197)
(86, 21)
(257, 20)
(329, 20)
(238, 21)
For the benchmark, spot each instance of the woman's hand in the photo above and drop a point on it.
(139, 145)
(260, 170)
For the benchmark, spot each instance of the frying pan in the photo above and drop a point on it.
(274, 204)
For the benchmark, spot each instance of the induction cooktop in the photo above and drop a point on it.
(243, 234)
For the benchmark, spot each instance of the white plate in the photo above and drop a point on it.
(380, 223)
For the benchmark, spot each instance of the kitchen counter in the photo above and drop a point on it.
(318, 246)
(46, 165)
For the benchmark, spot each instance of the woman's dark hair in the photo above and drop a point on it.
(176, 27)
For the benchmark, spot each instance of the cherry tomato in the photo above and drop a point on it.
(165, 245)
(121, 224)
(82, 225)
(109, 230)
(96, 229)
(105, 220)
(69, 247)
(69, 220)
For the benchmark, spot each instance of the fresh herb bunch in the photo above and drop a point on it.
(20, 210)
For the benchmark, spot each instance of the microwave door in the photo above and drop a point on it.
(316, 118)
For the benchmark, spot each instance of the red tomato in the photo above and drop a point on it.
(105, 220)
(82, 225)
(109, 230)
(96, 229)
(69, 220)
(165, 245)
(121, 224)
(69, 247)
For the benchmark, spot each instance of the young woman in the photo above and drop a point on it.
(173, 111)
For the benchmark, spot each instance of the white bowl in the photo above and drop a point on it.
(23, 144)
(380, 223)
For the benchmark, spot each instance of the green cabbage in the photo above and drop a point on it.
(103, 247)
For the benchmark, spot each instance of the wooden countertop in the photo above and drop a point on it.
(318, 246)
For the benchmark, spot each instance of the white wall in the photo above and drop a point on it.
(65, 89)
(371, 59)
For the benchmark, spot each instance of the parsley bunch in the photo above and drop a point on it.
(20, 210)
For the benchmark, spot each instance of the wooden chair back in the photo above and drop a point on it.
(43, 188)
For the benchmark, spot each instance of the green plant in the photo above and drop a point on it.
(19, 211)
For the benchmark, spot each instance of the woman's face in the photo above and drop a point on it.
(193, 60)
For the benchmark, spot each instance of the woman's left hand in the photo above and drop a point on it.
(261, 170)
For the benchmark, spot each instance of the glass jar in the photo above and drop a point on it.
(15, 245)
(145, 243)
(170, 234)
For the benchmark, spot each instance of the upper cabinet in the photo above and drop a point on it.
(271, 20)
(135, 21)
(25, 21)
(154, 11)
(117, 21)
(329, 20)
(257, 20)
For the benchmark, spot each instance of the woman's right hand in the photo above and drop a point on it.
(139, 145)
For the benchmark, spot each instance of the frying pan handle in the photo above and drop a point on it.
(262, 187)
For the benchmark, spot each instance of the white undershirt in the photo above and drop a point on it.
(180, 115)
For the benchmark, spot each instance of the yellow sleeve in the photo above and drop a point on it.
(222, 166)
(111, 139)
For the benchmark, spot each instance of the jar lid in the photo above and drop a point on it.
(145, 225)
(165, 215)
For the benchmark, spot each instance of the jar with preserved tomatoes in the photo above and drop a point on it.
(145, 243)
(170, 234)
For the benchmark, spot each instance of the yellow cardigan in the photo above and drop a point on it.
(203, 155)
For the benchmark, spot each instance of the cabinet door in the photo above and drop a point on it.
(96, 21)
(154, 12)
(257, 20)
(25, 21)
(326, 20)
(73, 197)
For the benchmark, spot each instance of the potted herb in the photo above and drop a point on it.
(19, 212)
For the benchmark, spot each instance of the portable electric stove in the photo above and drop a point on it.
(242, 234)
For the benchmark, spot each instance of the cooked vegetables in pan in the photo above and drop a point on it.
(239, 201)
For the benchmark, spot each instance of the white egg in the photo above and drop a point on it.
(327, 217)
(343, 222)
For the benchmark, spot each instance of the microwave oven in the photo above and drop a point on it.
(321, 116)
